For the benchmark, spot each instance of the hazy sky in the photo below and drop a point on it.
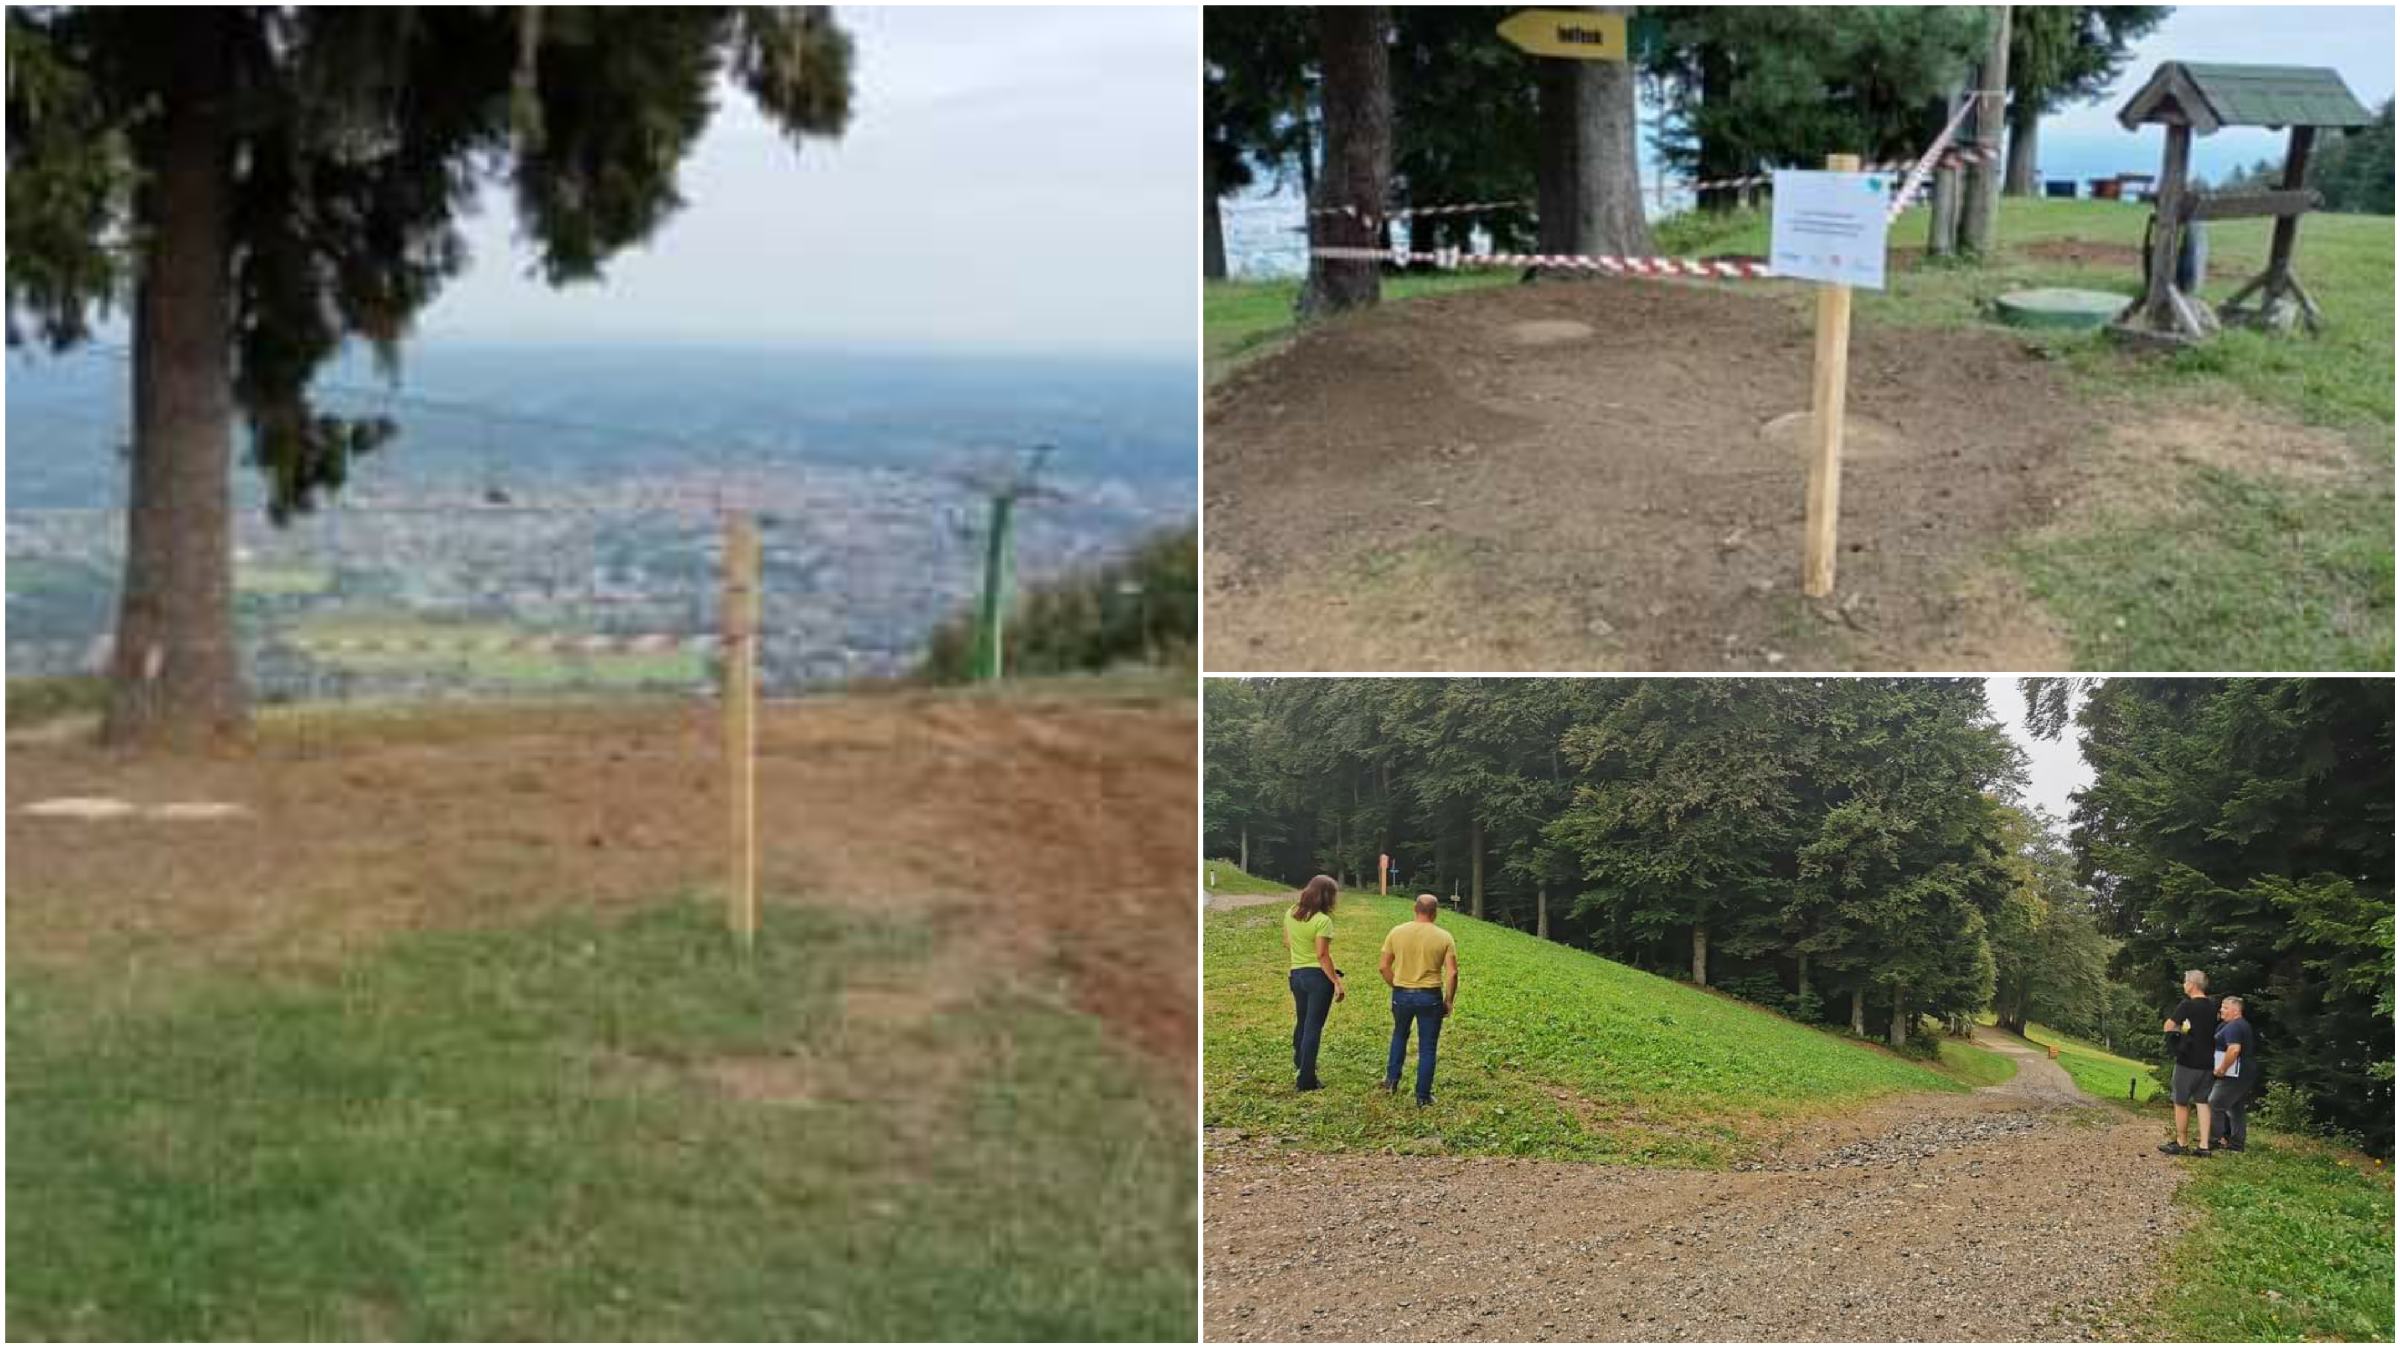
(2055, 767)
(1015, 178)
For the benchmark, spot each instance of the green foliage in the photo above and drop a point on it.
(1142, 608)
(1552, 1052)
(1817, 837)
(2293, 1243)
(2353, 168)
(363, 135)
(1753, 87)
(2244, 827)
(2061, 54)
(528, 1133)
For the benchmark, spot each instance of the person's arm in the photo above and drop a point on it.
(2233, 1053)
(1325, 962)
(1449, 979)
(1385, 966)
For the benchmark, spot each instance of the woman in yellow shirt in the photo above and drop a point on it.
(1316, 984)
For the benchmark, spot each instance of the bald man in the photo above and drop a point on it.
(1420, 962)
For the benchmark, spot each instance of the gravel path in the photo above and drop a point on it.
(2021, 1211)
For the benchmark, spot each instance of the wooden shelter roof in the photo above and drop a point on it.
(2209, 96)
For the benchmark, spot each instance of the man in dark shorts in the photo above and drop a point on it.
(2236, 1070)
(2191, 1029)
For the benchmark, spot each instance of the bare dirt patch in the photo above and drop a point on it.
(1881, 1226)
(1416, 488)
(1050, 834)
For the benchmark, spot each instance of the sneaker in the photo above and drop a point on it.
(1310, 1086)
(2199, 1152)
(2173, 1149)
(1391, 1088)
(1424, 1101)
(2233, 1146)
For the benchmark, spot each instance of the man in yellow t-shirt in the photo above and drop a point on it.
(1420, 961)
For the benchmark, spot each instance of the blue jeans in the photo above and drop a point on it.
(1312, 1002)
(1424, 1006)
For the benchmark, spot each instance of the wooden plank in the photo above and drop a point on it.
(1829, 392)
(739, 617)
(2241, 205)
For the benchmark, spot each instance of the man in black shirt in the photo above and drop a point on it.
(2191, 1033)
(2236, 1073)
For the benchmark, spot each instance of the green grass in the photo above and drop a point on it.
(1554, 1052)
(528, 1133)
(2293, 1242)
(2212, 569)
(1241, 320)
(33, 701)
(1231, 879)
(533, 670)
(1975, 1066)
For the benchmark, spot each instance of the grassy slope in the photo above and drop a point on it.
(1232, 879)
(2219, 570)
(1976, 1066)
(1554, 1052)
(515, 1134)
(2292, 1240)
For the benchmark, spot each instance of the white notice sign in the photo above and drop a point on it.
(1830, 226)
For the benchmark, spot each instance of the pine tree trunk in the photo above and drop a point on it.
(1804, 978)
(1541, 911)
(1212, 226)
(175, 677)
(1475, 863)
(1700, 954)
(2024, 140)
(1858, 1012)
(1357, 98)
(1245, 849)
(1589, 177)
(1716, 85)
(1900, 1017)
(1979, 208)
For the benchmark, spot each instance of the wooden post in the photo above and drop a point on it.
(2287, 227)
(2161, 310)
(1825, 404)
(739, 617)
(1979, 205)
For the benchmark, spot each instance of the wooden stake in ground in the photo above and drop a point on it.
(739, 616)
(1829, 388)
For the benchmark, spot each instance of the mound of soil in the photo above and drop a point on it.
(1602, 475)
(1055, 832)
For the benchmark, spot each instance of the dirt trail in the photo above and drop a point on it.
(1039, 828)
(2020, 1211)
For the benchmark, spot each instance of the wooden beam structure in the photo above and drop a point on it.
(2279, 296)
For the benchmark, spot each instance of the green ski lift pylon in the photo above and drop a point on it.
(1000, 559)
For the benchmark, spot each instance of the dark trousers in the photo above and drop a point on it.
(2229, 1111)
(1424, 1007)
(1312, 1001)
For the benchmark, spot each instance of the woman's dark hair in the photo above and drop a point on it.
(1315, 897)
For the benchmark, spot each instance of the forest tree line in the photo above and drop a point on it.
(1856, 852)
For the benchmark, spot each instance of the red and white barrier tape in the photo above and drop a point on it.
(1712, 268)
(1914, 182)
(1955, 157)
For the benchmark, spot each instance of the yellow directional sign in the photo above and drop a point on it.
(1577, 35)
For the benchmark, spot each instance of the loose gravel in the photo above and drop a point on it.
(2022, 1211)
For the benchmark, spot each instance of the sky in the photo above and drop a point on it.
(2055, 768)
(1014, 179)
